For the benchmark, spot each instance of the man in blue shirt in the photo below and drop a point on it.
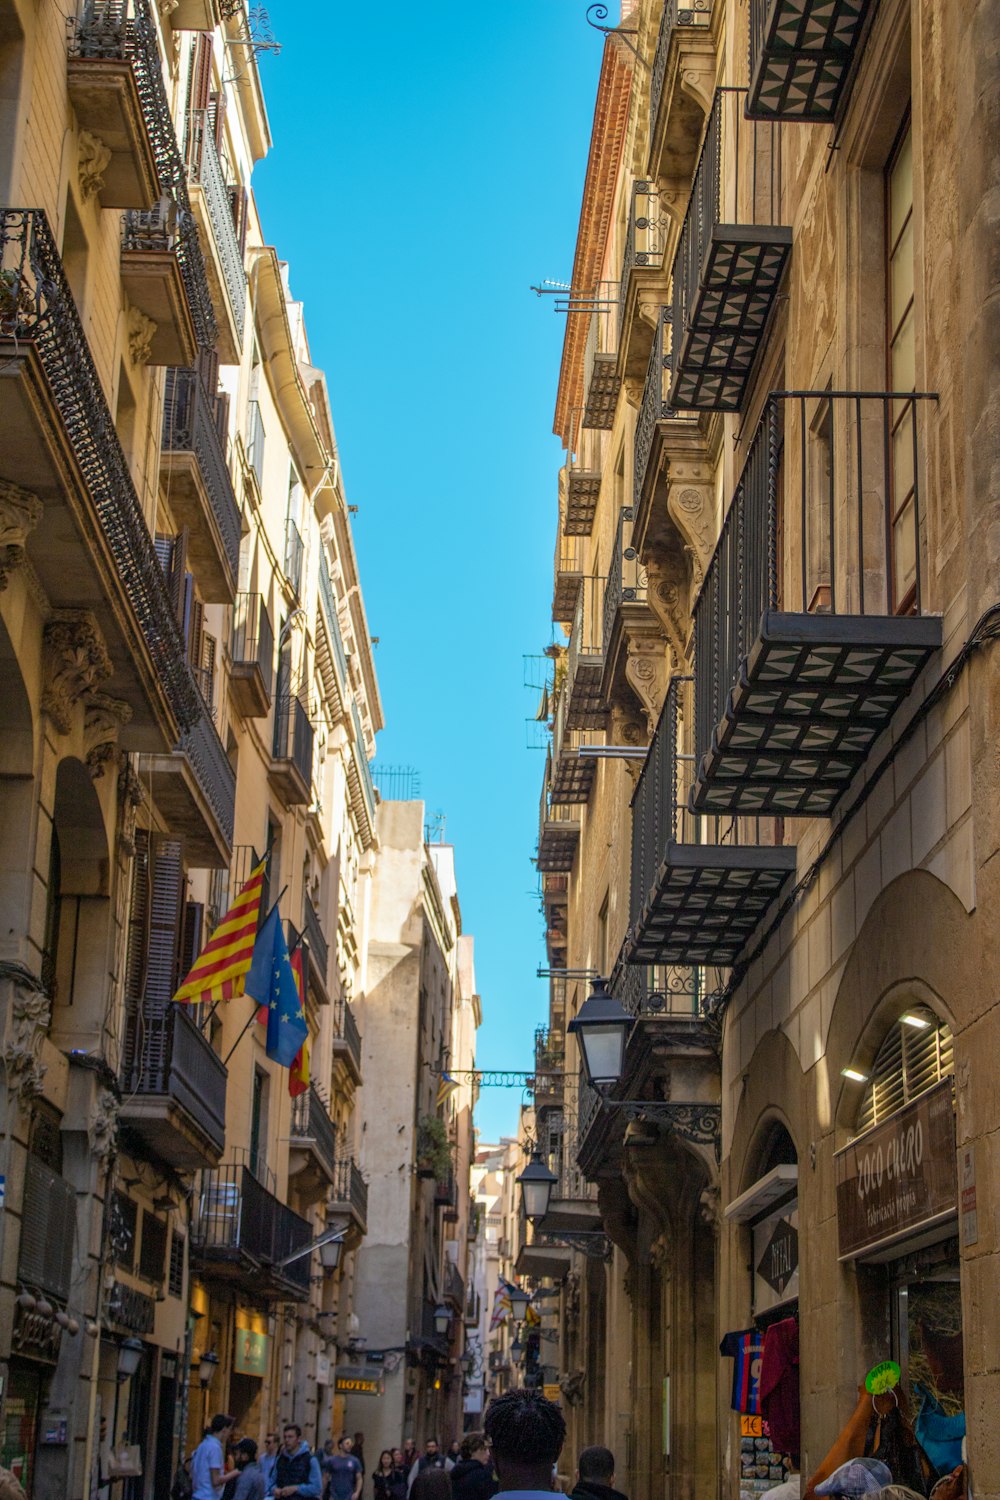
(268, 1461)
(526, 1433)
(208, 1462)
(344, 1474)
(297, 1471)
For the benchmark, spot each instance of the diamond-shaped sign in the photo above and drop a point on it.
(780, 1259)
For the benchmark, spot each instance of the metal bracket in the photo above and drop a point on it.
(593, 1243)
(698, 1124)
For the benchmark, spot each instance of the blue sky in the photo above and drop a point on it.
(427, 169)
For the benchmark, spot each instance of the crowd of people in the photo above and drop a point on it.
(516, 1453)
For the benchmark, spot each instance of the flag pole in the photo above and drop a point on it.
(256, 1003)
(215, 1007)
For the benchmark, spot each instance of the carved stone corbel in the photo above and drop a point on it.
(27, 1024)
(647, 672)
(669, 597)
(102, 720)
(691, 509)
(76, 662)
(20, 513)
(141, 332)
(102, 1127)
(130, 795)
(92, 163)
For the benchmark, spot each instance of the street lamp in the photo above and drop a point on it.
(207, 1367)
(129, 1356)
(517, 1348)
(442, 1318)
(519, 1300)
(536, 1183)
(601, 1027)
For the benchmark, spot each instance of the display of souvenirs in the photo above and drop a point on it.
(761, 1468)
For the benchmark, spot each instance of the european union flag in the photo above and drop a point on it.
(272, 983)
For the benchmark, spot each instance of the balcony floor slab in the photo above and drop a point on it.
(806, 58)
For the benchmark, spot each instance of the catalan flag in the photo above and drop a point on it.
(298, 1074)
(501, 1305)
(532, 1317)
(446, 1087)
(221, 969)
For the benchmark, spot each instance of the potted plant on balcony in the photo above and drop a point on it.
(434, 1157)
(15, 300)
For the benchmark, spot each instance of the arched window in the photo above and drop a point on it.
(916, 1054)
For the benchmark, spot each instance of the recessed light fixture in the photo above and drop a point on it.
(910, 1019)
(854, 1074)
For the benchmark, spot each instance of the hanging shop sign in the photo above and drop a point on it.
(899, 1178)
(776, 1258)
(354, 1380)
(131, 1309)
(252, 1353)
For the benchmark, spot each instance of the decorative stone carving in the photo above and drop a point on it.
(130, 795)
(30, 1013)
(102, 1127)
(692, 512)
(571, 1386)
(647, 671)
(76, 661)
(103, 718)
(20, 513)
(167, 7)
(92, 163)
(661, 1253)
(710, 1208)
(141, 332)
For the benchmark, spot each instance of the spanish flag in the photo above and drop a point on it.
(221, 968)
(298, 1073)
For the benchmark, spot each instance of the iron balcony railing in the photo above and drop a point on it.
(658, 989)
(255, 441)
(48, 1217)
(43, 315)
(626, 576)
(294, 735)
(589, 1105)
(345, 1027)
(189, 426)
(170, 229)
(645, 238)
(166, 1056)
(600, 360)
(207, 757)
(205, 168)
(750, 193)
(253, 637)
(351, 1189)
(311, 1122)
(655, 406)
(825, 520)
(319, 948)
(331, 620)
(294, 555)
(236, 1215)
(454, 1286)
(695, 13)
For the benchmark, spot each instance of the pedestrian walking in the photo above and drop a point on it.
(454, 1450)
(209, 1472)
(268, 1461)
(409, 1454)
(595, 1476)
(526, 1433)
(472, 1478)
(297, 1469)
(431, 1458)
(250, 1482)
(389, 1479)
(342, 1473)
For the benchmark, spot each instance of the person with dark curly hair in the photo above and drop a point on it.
(526, 1432)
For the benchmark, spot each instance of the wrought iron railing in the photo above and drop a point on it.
(205, 168)
(253, 637)
(589, 1104)
(236, 1213)
(657, 989)
(294, 735)
(350, 1188)
(692, 13)
(454, 1286)
(810, 527)
(626, 582)
(294, 555)
(645, 237)
(43, 315)
(586, 638)
(748, 194)
(319, 948)
(655, 406)
(345, 1027)
(331, 620)
(166, 1055)
(207, 757)
(255, 441)
(189, 426)
(311, 1122)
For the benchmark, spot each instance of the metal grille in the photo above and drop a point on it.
(205, 168)
(294, 555)
(645, 238)
(293, 736)
(237, 1213)
(350, 1189)
(213, 770)
(626, 576)
(911, 1060)
(47, 318)
(175, 1273)
(189, 426)
(253, 637)
(311, 1121)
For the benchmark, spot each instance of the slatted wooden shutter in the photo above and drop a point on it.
(172, 553)
(200, 77)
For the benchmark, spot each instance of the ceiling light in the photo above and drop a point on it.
(854, 1074)
(912, 1019)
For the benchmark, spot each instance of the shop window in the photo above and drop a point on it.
(175, 1277)
(916, 1055)
(153, 1248)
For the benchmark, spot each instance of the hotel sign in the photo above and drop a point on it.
(349, 1380)
(898, 1178)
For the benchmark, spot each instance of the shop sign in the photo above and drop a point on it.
(970, 1213)
(131, 1309)
(322, 1369)
(899, 1177)
(35, 1335)
(253, 1352)
(776, 1258)
(352, 1380)
(552, 1392)
(472, 1403)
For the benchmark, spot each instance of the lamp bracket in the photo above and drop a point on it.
(698, 1124)
(593, 1243)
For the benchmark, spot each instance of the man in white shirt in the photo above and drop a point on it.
(208, 1462)
(526, 1434)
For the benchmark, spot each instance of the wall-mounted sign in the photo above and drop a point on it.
(354, 1380)
(776, 1258)
(899, 1177)
(252, 1353)
(322, 1369)
(131, 1309)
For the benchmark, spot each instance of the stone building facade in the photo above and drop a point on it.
(775, 596)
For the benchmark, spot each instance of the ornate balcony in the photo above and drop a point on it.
(319, 950)
(572, 775)
(568, 575)
(684, 48)
(113, 65)
(173, 1088)
(82, 525)
(558, 831)
(548, 1071)
(211, 204)
(585, 707)
(251, 670)
(601, 382)
(802, 54)
(195, 790)
(642, 277)
(349, 1200)
(730, 258)
(312, 1159)
(696, 900)
(808, 628)
(195, 473)
(555, 899)
(626, 617)
(292, 752)
(154, 280)
(573, 1209)
(659, 425)
(240, 1231)
(347, 1039)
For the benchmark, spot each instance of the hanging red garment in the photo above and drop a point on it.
(779, 1384)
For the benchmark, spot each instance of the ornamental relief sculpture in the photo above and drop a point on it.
(103, 718)
(92, 163)
(76, 661)
(20, 513)
(27, 1025)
